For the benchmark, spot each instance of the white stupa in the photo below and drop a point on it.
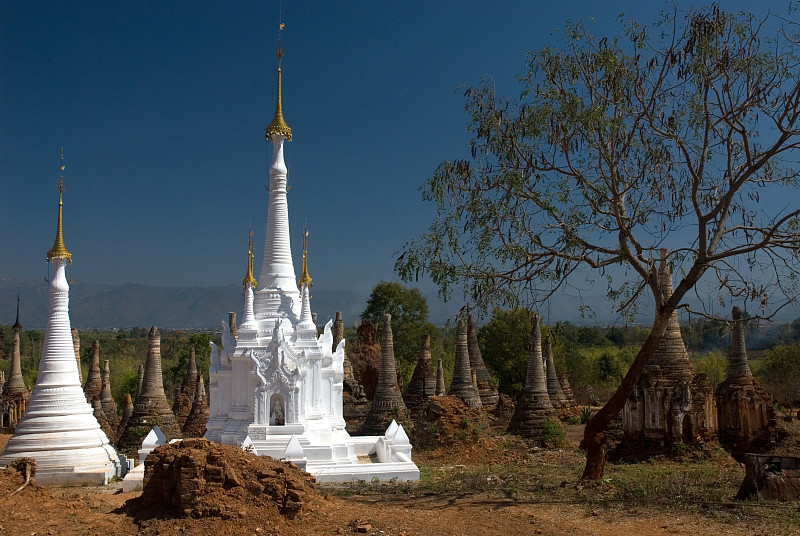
(58, 428)
(278, 388)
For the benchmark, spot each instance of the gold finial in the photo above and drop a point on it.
(59, 249)
(248, 278)
(305, 279)
(278, 125)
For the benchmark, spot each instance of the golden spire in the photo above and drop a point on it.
(59, 249)
(248, 278)
(305, 279)
(278, 125)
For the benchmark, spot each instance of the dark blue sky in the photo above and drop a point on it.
(161, 109)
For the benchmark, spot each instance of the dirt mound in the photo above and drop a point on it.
(198, 478)
(446, 420)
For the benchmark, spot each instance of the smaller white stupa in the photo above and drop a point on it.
(58, 428)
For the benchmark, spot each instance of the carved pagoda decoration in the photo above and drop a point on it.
(462, 385)
(669, 403)
(746, 415)
(151, 407)
(534, 411)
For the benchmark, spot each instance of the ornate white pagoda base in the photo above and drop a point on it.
(336, 456)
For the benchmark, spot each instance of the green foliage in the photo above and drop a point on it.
(586, 414)
(409, 312)
(504, 347)
(713, 364)
(779, 370)
(552, 434)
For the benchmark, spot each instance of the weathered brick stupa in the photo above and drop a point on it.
(15, 396)
(94, 381)
(669, 403)
(365, 357)
(58, 429)
(139, 381)
(487, 391)
(76, 344)
(462, 385)
(184, 399)
(151, 407)
(745, 412)
(387, 405)
(100, 415)
(279, 386)
(440, 388)
(534, 412)
(423, 382)
(559, 400)
(566, 388)
(354, 400)
(195, 424)
(107, 401)
(127, 411)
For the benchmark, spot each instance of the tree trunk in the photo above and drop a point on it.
(594, 438)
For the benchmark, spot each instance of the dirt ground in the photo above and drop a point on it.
(494, 485)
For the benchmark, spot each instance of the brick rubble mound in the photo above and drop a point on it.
(446, 420)
(198, 478)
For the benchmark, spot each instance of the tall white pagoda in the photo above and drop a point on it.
(58, 428)
(277, 389)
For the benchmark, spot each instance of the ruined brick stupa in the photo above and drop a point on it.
(488, 392)
(278, 388)
(15, 394)
(744, 408)
(423, 381)
(150, 407)
(387, 405)
(669, 403)
(184, 399)
(462, 385)
(59, 429)
(533, 405)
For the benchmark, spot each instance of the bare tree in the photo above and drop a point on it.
(683, 135)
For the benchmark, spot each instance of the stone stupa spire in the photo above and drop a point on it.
(150, 408)
(107, 400)
(277, 293)
(387, 404)
(462, 385)
(195, 425)
(58, 429)
(76, 344)
(139, 381)
(423, 381)
(94, 381)
(185, 397)
(489, 394)
(738, 366)
(17, 327)
(554, 391)
(440, 388)
(15, 384)
(127, 411)
(533, 405)
(670, 355)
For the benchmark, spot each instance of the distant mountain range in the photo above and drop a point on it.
(94, 306)
(133, 305)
